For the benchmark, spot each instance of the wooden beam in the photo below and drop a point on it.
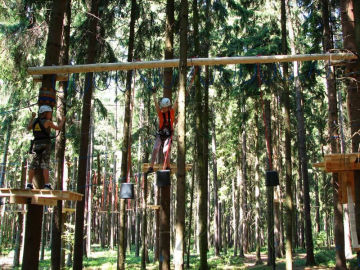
(103, 67)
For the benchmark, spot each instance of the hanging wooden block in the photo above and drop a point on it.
(47, 96)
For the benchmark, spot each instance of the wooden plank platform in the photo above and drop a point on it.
(340, 162)
(39, 196)
(173, 167)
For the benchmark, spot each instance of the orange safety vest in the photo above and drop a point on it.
(164, 119)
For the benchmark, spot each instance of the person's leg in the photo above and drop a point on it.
(155, 150)
(33, 164)
(31, 175)
(45, 166)
(46, 176)
(167, 152)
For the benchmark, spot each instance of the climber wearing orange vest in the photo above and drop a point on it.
(166, 114)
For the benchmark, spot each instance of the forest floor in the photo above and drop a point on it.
(106, 259)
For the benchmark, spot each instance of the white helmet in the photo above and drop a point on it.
(45, 108)
(165, 102)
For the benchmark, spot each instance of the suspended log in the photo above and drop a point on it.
(103, 67)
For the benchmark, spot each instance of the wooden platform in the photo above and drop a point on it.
(340, 162)
(344, 165)
(173, 167)
(39, 196)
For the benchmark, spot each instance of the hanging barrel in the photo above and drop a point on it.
(163, 178)
(47, 96)
(127, 191)
(272, 178)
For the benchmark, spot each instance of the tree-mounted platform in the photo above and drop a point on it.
(173, 167)
(39, 196)
(345, 165)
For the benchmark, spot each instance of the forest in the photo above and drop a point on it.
(163, 134)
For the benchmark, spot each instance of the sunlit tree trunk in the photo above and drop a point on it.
(126, 140)
(35, 212)
(85, 127)
(180, 188)
(350, 21)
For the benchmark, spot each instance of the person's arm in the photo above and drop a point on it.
(52, 125)
(156, 103)
(31, 122)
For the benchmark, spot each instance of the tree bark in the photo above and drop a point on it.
(164, 213)
(192, 189)
(144, 234)
(257, 194)
(288, 163)
(215, 184)
(180, 188)
(269, 189)
(126, 134)
(35, 212)
(20, 220)
(310, 259)
(244, 200)
(60, 145)
(335, 147)
(85, 126)
(350, 21)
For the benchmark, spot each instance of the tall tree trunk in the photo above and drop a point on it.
(270, 189)
(144, 234)
(289, 216)
(215, 183)
(332, 126)
(35, 212)
(192, 189)
(85, 126)
(203, 185)
(310, 259)
(180, 188)
(257, 194)
(90, 185)
(2, 175)
(164, 213)
(244, 200)
(350, 21)
(20, 219)
(235, 212)
(126, 134)
(7, 122)
(60, 145)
